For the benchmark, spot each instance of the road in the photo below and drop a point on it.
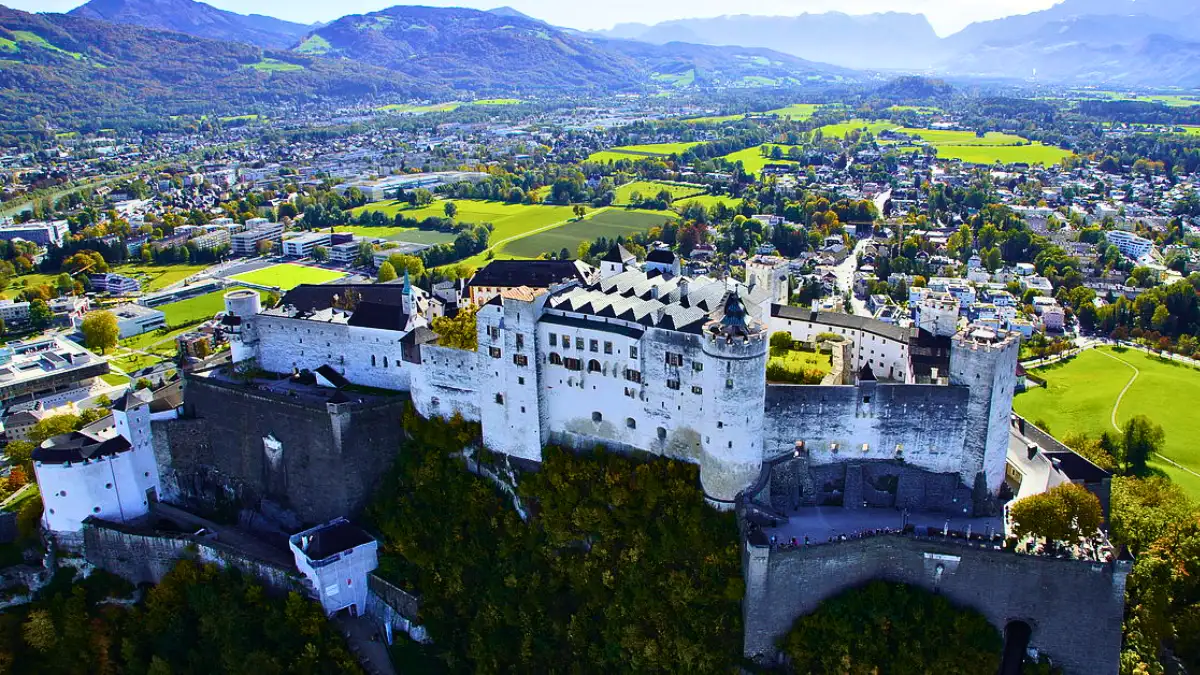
(845, 278)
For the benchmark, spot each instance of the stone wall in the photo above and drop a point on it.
(1074, 607)
(870, 483)
(240, 446)
(146, 557)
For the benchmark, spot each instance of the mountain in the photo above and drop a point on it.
(891, 40)
(196, 18)
(80, 73)
(503, 52)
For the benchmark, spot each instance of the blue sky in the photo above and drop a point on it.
(947, 16)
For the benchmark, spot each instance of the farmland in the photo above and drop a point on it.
(611, 223)
(991, 148)
(269, 65)
(636, 152)
(418, 109)
(1081, 395)
(946, 137)
(288, 276)
(509, 220)
(649, 189)
(715, 119)
(796, 111)
(709, 201)
(842, 128)
(1169, 100)
(753, 161)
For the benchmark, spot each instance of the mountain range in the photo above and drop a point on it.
(196, 18)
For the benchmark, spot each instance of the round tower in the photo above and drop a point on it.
(240, 307)
(735, 386)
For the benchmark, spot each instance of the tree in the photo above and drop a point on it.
(366, 254)
(320, 254)
(49, 427)
(1066, 513)
(450, 209)
(1145, 509)
(264, 247)
(403, 262)
(40, 315)
(143, 383)
(1140, 438)
(580, 210)
(272, 299)
(386, 273)
(458, 332)
(39, 631)
(20, 452)
(100, 330)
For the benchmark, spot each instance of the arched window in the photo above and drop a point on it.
(372, 360)
(662, 434)
(630, 422)
(593, 366)
(385, 362)
(555, 359)
(597, 417)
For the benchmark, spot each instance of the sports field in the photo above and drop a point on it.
(650, 189)
(199, 308)
(752, 159)
(636, 152)
(1082, 394)
(610, 223)
(509, 220)
(840, 129)
(288, 276)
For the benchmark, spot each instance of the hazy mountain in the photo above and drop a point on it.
(503, 52)
(76, 71)
(889, 40)
(196, 18)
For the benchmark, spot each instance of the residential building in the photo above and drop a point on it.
(301, 246)
(49, 368)
(246, 243)
(115, 284)
(1129, 244)
(45, 233)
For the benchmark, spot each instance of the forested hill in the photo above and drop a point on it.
(196, 18)
(81, 73)
(474, 50)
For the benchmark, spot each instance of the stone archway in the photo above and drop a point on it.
(1016, 641)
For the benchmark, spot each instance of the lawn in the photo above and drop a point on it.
(1036, 153)
(199, 308)
(1169, 100)
(796, 111)
(288, 276)
(650, 189)
(403, 234)
(947, 137)
(158, 277)
(611, 223)
(497, 101)
(510, 220)
(753, 161)
(709, 201)
(840, 129)
(715, 119)
(1081, 393)
(636, 152)
(269, 65)
(798, 366)
(418, 109)
(678, 80)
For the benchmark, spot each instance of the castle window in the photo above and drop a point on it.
(673, 384)
(573, 364)
(597, 417)
(520, 341)
(593, 366)
(633, 352)
(662, 434)
(500, 399)
(607, 347)
(566, 340)
(520, 380)
(520, 359)
(522, 410)
(729, 383)
(385, 362)
(833, 447)
(595, 345)
(866, 399)
(96, 509)
(630, 422)
(372, 360)
(108, 486)
(434, 401)
(697, 366)
(555, 359)
(720, 425)
(674, 359)
(493, 332)
(633, 375)
(631, 393)
(494, 352)
(866, 447)
(697, 390)
(554, 339)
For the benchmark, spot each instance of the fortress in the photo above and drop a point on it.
(662, 363)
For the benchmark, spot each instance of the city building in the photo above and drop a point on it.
(301, 246)
(51, 369)
(44, 233)
(336, 558)
(211, 240)
(115, 284)
(1129, 244)
(502, 275)
(137, 319)
(247, 242)
(14, 313)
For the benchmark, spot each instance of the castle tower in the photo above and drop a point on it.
(986, 363)
(616, 261)
(509, 407)
(240, 307)
(735, 385)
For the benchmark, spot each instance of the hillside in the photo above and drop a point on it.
(78, 72)
(196, 18)
(504, 52)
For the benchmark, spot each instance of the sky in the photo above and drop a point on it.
(947, 16)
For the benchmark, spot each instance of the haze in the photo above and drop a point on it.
(947, 16)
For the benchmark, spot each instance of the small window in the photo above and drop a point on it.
(720, 425)
(662, 434)
(866, 399)
(630, 423)
(554, 339)
(633, 375)
(729, 383)
(520, 341)
(607, 347)
(494, 352)
(108, 486)
(520, 380)
(674, 359)
(520, 359)
(372, 360)
(500, 399)
(697, 366)
(566, 340)
(493, 332)
(96, 509)
(673, 384)
(633, 354)
(595, 345)
(593, 366)
(573, 364)
(697, 390)
(385, 362)
(555, 359)
(631, 393)
(597, 417)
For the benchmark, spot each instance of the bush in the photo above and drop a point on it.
(781, 340)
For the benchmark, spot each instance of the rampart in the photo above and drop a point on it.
(240, 445)
(1075, 608)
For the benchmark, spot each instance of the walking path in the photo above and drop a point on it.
(1117, 404)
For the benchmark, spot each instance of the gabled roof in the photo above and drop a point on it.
(531, 273)
(376, 315)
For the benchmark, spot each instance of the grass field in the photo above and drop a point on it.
(418, 109)
(919, 109)
(635, 152)
(510, 220)
(288, 276)
(649, 189)
(269, 65)
(1036, 153)
(946, 137)
(709, 201)
(158, 277)
(1080, 396)
(840, 129)
(1170, 100)
(611, 223)
(199, 308)
(715, 119)
(404, 234)
(752, 159)
(796, 111)
(678, 80)
(497, 101)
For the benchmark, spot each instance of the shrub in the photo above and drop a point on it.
(781, 340)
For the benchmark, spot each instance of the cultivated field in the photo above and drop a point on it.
(988, 149)
(1170, 100)
(1082, 394)
(945, 137)
(715, 119)
(796, 111)
(418, 109)
(509, 220)
(649, 189)
(288, 276)
(753, 161)
(709, 201)
(840, 129)
(610, 223)
(636, 152)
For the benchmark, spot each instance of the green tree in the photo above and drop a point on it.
(1140, 438)
(403, 262)
(320, 253)
(1066, 513)
(1143, 510)
(40, 315)
(450, 209)
(386, 273)
(49, 427)
(100, 330)
(143, 383)
(458, 332)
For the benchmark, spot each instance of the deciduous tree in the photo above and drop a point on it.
(100, 330)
